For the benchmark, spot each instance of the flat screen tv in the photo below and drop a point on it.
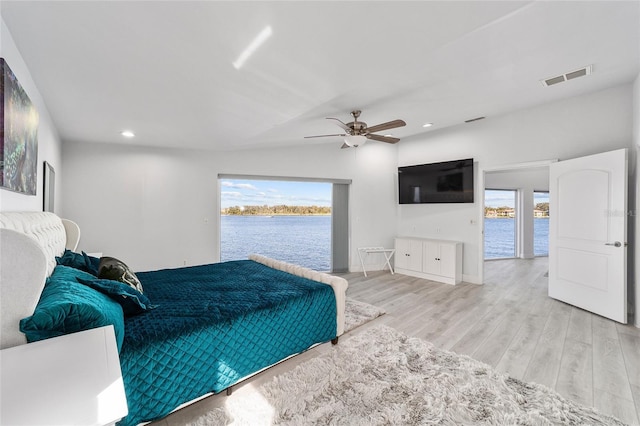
(446, 182)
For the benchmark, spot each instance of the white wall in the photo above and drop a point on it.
(49, 145)
(155, 208)
(565, 129)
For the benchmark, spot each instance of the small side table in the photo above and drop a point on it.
(388, 253)
(68, 380)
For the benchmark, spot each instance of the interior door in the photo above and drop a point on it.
(588, 233)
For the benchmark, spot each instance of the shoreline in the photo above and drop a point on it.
(275, 214)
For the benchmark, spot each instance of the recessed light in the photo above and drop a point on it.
(427, 125)
(127, 133)
(388, 135)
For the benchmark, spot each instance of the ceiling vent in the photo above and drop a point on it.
(474, 119)
(568, 76)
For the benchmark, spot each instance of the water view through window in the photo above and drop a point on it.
(499, 224)
(541, 223)
(284, 220)
(500, 233)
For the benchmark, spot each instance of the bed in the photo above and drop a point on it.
(206, 328)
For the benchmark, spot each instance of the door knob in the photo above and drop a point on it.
(616, 244)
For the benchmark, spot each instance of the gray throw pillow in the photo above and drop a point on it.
(113, 269)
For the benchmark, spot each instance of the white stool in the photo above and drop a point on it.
(388, 253)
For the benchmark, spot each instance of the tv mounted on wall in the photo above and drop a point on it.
(446, 182)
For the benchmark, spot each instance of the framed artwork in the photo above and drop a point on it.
(18, 135)
(49, 188)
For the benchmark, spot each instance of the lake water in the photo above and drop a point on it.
(499, 237)
(303, 240)
(306, 240)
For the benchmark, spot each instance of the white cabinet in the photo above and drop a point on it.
(437, 260)
(408, 254)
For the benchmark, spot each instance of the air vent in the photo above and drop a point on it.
(568, 76)
(474, 119)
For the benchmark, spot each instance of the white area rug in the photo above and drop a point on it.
(382, 377)
(357, 313)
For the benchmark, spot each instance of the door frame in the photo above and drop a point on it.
(480, 199)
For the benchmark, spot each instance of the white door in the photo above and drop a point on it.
(588, 233)
(431, 259)
(408, 254)
(448, 260)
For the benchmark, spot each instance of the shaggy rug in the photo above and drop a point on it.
(382, 377)
(357, 313)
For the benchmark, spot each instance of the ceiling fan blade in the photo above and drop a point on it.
(387, 139)
(344, 145)
(385, 126)
(325, 136)
(340, 123)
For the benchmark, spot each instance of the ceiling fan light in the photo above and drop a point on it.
(355, 140)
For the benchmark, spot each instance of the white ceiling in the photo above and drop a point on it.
(164, 68)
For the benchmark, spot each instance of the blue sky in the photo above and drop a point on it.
(494, 198)
(241, 192)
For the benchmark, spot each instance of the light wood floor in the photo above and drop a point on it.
(509, 323)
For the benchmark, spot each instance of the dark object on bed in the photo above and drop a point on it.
(113, 269)
(215, 325)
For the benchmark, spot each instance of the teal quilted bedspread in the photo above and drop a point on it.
(214, 325)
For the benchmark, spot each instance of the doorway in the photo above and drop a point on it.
(524, 179)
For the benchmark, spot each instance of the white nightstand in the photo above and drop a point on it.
(68, 380)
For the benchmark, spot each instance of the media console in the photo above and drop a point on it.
(437, 260)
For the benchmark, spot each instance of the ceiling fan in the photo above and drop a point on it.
(357, 132)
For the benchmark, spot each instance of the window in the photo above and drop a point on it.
(302, 222)
(541, 223)
(499, 224)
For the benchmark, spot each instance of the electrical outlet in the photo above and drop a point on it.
(437, 230)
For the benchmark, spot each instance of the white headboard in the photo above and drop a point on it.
(29, 243)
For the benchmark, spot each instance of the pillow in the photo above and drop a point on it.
(81, 261)
(66, 306)
(113, 269)
(132, 301)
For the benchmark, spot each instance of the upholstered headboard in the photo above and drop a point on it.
(29, 243)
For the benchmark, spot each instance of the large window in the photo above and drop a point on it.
(499, 224)
(287, 220)
(541, 223)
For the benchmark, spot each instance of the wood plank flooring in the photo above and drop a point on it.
(509, 323)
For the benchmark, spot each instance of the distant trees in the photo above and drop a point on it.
(540, 210)
(503, 211)
(543, 207)
(275, 210)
